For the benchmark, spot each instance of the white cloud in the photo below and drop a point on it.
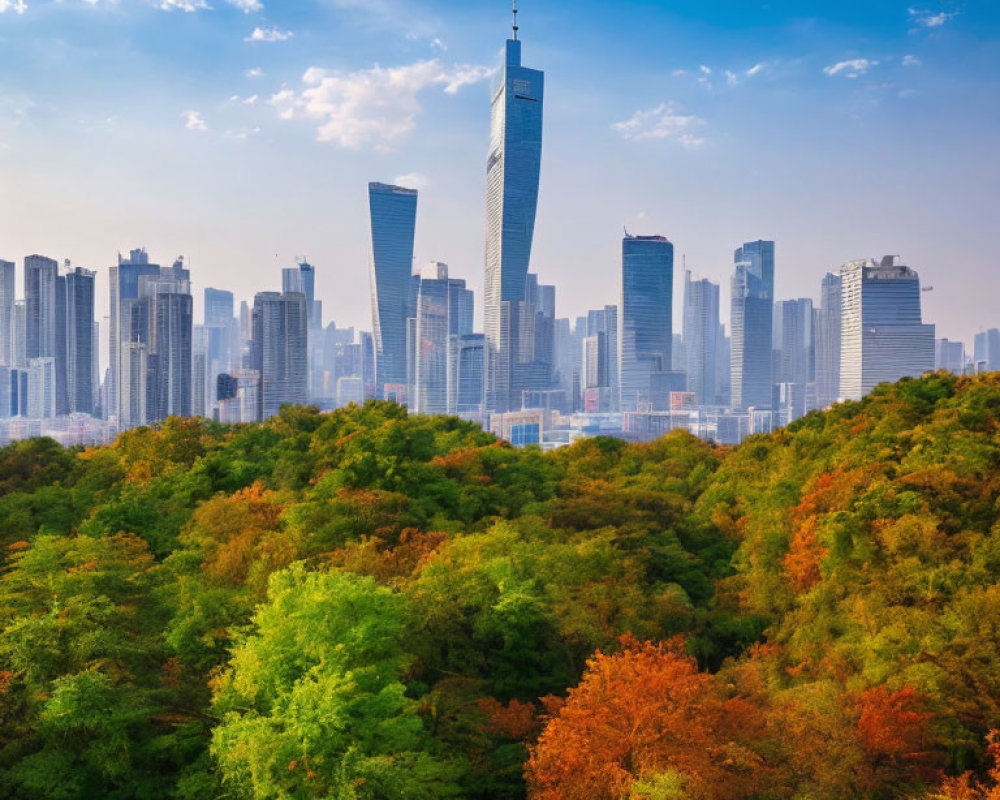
(251, 100)
(412, 180)
(852, 68)
(247, 6)
(268, 35)
(678, 73)
(928, 19)
(371, 106)
(437, 44)
(17, 6)
(182, 5)
(706, 70)
(194, 121)
(663, 122)
(755, 69)
(253, 72)
(911, 61)
(731, 78)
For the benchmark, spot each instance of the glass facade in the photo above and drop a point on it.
(882, 335)
(512, 173)
(645, 324)
(279, 350)
(80, 341)
(7, 301)
(828, 342)
(393, 213)
(701, 333)
(751, 320)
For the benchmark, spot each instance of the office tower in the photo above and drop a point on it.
(393, 214)
(723, 376)
(442, 314)
(219, 307)
(20, 330)
(238, 396)
(8, 299)
(792, 336)
(563, 366)
(167, 309)
(645, 327)
(986, 351)
(80, 341)
(701, 332)
(279, 349)
(949, 355)
(246, 322)
(95, 370)
(751, 321)
(41, 387)
(127, 328)
(882, 336)
(41, 311)
(828, 342)
(512, 172)
(472, 365)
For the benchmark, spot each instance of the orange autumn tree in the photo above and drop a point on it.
(966, 788)
(640, 714)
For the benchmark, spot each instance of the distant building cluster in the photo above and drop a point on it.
(530, 376)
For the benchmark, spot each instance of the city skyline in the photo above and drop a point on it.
(858, 203)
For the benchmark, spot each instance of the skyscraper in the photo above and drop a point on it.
(828, 342)
(279, 350)
(168, 311)
(126, 329)
(443, 314)
(645, 325)
(882, 335)
(701, 333)
(393, 214)
(986, 351)
(80, 340)
(750, 321)
(512, 172)
(41, 310)
(793, 341)
(7, 300)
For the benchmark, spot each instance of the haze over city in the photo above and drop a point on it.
(244, 134)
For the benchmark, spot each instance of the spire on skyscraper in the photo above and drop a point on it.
(515, 21)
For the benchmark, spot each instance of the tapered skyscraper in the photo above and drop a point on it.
(512, 171)
(393, 223)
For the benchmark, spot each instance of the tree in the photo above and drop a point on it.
(641, 713)
(312, 703)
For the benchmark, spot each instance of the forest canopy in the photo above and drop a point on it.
(370, 606)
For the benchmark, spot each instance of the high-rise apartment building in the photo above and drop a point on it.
(751, 322)
(41, 309)
(8, 298)
(701, 338)
(645, 316)
(393, 214)
(827, 337)
(882, 335)
(279, 349)
(513, 167)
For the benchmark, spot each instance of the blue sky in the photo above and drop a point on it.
(242, 133)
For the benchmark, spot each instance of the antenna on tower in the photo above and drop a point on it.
(515, 21)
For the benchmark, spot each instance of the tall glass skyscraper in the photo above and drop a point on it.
(882, 335)
(393, 224)
(828, 342)
(645, 326)
(793, 340)
(701, 334)
(7, 301)
(127, 335)
(751, 319)
(80, 340)
(512, 171)
(279, 352)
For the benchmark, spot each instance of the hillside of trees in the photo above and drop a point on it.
(363, 605)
